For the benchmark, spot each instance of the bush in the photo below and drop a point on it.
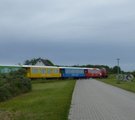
(13, 84)
(4, 93)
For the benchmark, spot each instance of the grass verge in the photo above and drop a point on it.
(127, 85)
(47, 101)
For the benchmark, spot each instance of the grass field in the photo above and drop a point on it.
(47, 101)
(127, 85)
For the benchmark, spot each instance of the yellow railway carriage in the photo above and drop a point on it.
(43, 72)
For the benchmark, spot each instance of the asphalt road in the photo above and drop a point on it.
(94, 100)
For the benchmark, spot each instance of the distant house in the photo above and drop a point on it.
(43, 62)
(40, 63)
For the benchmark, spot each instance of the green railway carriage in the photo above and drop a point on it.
(9, 68)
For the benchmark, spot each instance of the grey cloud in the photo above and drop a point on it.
(69, 31)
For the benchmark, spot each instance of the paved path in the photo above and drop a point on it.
(94, 100)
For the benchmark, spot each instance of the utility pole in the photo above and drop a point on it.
(118, 70)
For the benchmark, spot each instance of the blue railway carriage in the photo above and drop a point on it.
(72, 72)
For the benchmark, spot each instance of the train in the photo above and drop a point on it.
(34, 72)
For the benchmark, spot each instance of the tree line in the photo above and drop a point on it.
(47, 62)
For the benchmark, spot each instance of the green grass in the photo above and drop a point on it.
(47, 101)
(127, 85)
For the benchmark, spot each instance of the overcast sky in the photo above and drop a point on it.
(68, 32)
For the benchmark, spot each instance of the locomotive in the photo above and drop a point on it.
(56, 72)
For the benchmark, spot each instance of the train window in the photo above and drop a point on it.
(15, 69)
(5, 70)
(49, 71)
(82, 71)
(71, 71)
(67, 71)
(77, 71)
(56, 71)
(74, 71)
(43, 71)
(34, 70)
